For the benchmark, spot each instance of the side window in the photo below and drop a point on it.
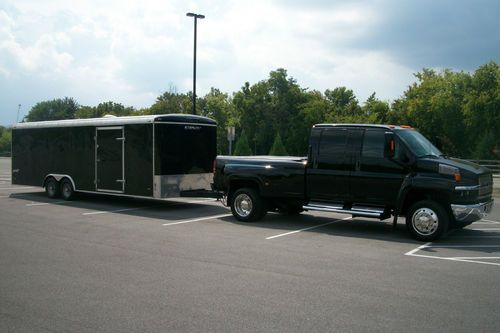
(332, 149)
(373, 144)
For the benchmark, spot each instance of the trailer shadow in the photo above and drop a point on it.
(166, 210)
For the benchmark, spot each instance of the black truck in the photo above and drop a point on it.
(376, 171)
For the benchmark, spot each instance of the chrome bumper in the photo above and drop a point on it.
(471, 213)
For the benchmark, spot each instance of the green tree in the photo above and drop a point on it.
(53, 110)
(242, 148)
(342, 105)
(278, 149)
(434, 105)
(218, 106)
(482, 111)
(5, 141)
(171, 102)
(375, 111)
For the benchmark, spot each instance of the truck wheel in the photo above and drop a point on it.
(427, 220)
(247, 205)
(52, 188)
(67, 191)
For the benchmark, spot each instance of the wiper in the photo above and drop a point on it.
(429, 155)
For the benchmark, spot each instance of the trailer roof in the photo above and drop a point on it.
(107, 121)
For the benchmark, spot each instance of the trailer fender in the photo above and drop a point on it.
(58, 177)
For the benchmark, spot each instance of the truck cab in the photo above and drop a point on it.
(379, 171)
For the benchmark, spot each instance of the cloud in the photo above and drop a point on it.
(130, 52)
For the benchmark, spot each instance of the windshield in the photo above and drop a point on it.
(418, 143)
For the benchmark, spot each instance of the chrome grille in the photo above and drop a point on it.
(485, 185)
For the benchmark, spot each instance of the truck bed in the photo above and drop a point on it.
(276, 176)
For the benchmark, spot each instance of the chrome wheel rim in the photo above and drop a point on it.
(243, 205)
(425, 221)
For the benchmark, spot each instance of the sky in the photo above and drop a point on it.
(130, 52)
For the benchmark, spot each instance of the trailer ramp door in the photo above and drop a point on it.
(109, 166)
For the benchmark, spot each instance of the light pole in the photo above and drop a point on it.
(196, 17)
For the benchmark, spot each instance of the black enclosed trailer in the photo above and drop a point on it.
(158, 156)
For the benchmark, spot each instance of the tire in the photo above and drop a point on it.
(67, 190)
(427, 220)
(52, 188)
(247, 205)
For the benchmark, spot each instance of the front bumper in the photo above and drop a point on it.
(471, 213)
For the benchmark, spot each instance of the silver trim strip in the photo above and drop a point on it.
(110, 128)
(194, 124)
(100, 190)
(363, 212)
(467, 188)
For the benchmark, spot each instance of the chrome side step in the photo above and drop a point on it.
(355, 210)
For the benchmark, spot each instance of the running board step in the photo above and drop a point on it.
(355, 210)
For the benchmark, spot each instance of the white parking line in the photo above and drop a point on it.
(489, 221)
(15, 188)
(484, 229)
(304, 229)
(46, 203)
(137, 208)
(115, 211)
(198, 219)
(475, 260)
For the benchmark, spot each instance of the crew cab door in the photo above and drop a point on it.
(376, 178)
(331, 165)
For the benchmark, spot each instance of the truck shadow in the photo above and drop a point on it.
(273, 223)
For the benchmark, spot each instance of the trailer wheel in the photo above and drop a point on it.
(67, 191)
(427, 220)
(52, 188)
(247, 205)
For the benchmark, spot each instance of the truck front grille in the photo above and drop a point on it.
(485, 185)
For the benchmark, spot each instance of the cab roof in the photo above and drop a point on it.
(388, 127)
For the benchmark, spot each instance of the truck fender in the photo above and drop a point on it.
(405, 188)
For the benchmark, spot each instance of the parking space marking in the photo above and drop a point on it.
(15, 188)
(305, 229)
(197, 219)
(46, 203)
(98, 212)
(490, 221)
(484, 229)
(116, 210)
(475, 260)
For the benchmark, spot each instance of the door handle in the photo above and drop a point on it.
(358, 165)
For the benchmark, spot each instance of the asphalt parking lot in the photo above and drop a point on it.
(106, 264)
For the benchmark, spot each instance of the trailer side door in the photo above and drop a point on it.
(109, 166)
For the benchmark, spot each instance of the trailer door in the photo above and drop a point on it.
(109, 165)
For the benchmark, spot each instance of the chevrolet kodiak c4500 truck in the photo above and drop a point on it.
(371, 171)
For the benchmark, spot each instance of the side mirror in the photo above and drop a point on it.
(390, 145)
